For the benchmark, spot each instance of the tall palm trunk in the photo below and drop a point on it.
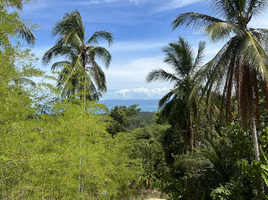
(255, 142)
(191, 142)
(252, 120)
(85, 81)
(254, 133)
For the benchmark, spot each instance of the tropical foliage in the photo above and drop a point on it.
(79, 75)
(198, 146)
(244, 54)
(121, 118)
(180, 105)
(15, 27)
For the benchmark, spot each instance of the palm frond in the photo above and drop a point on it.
(200, 54)
(260, 30)
(222, 30)
(166, 98)
(213, 154)
(256, 7)
(27, 34)
(102, 54)
(215, 70)
(56, 51)
(259, 55)
(59, 65)
(161, 75)
(227, 10)
(72, 39)
(70, 71)
(94, 94)
(196, 20)
(99, 76)
(71, 22)
(169, 107)
(23, 80)
(98, 35)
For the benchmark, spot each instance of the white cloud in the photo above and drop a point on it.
(137, 45)
(124, 92)
(136, 2)
(150, 92)
(127, 73)
(144, 93)
(177, 4)
(169, 4)
(96, 2)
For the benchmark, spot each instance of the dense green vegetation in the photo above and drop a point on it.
(208, 140)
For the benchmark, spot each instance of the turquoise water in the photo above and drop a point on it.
(144, 108)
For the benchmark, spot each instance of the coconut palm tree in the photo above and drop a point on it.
(79, 72)
(180, 57)
(241, 62)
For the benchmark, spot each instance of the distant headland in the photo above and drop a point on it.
(129, 102)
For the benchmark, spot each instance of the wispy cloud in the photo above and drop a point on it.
(136, 2)
(165, 5)
(137, 45)
(96, 2)
(177, 4)
(126, 74)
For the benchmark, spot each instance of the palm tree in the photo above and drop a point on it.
(180, 57)
(241, 62)
(79, 71)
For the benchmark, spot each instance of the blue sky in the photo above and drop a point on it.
(140, 27)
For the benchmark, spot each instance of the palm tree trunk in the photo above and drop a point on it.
(85, 82)
(254, 133)
(255, 144)
(251, 113)
(196, 135)
(191, 135)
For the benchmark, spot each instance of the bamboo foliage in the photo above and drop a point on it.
(19, 27)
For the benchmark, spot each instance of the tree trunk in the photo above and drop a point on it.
(255, 145)
(254, 133)
(85, 82)
(191, 135)
(251, 113)
(196, 135)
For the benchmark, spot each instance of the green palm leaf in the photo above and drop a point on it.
(196, 20)
(222, 30)
(98, 35)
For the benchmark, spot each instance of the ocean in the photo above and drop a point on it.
(146, 105)
(144, 108)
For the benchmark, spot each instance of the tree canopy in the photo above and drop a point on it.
(80, 75)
